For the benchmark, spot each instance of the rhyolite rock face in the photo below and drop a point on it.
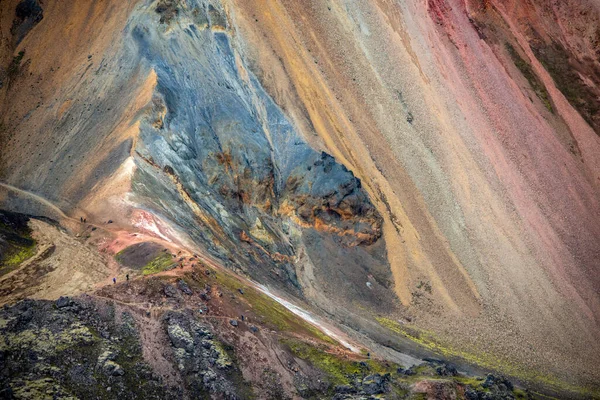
(472, 125)
(218, 157)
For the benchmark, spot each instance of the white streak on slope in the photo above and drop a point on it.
(307, 317)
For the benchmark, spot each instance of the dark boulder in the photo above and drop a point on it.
(446, 370)
(170, 291)
(183, 286)
(345, 389)
(27, 14)
(63, 302)
(373, 384)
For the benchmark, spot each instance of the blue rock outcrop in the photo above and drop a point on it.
(217, 156)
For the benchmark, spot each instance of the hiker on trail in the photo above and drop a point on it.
(127, 276)
(81, 219)
(114, 280)
(85, 220)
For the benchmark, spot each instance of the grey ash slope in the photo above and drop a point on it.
(219, 158)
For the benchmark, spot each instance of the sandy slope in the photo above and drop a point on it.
(62, 265)
(478, 177)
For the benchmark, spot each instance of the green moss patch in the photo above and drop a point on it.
(139, 255)
(161, 263)
(16, 257)
(57, 353)
(340, 371)
(148, 257)
(40, 389)
(16, 243)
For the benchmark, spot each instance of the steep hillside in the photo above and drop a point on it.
(193, 336)
(424, 173)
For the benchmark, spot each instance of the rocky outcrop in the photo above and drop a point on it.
(74, 350)
(204, 363)
(324, 195)
(231, 168)
(27, 14)
(90, 347)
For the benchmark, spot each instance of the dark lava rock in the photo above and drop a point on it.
(6, 393)
(345, 389)
(184, 287)
(180, 337)
(203, 361)
(27, 14)
(497, 388)
(471, 394)
(498, 382)
(446, 370)
(25, 316)
(111, 368)
(63, 302)
(170, 291)
(167, 10)
(204, 296)
(373, 384)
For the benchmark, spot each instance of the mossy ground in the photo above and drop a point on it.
(431, 341)
(41, 389)
(227, 355)
(161, 263)
(341, 371)
(16, 257)
(16, 242)
(269, 311)
(147, 257)
(55, 355)
(344, 371)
